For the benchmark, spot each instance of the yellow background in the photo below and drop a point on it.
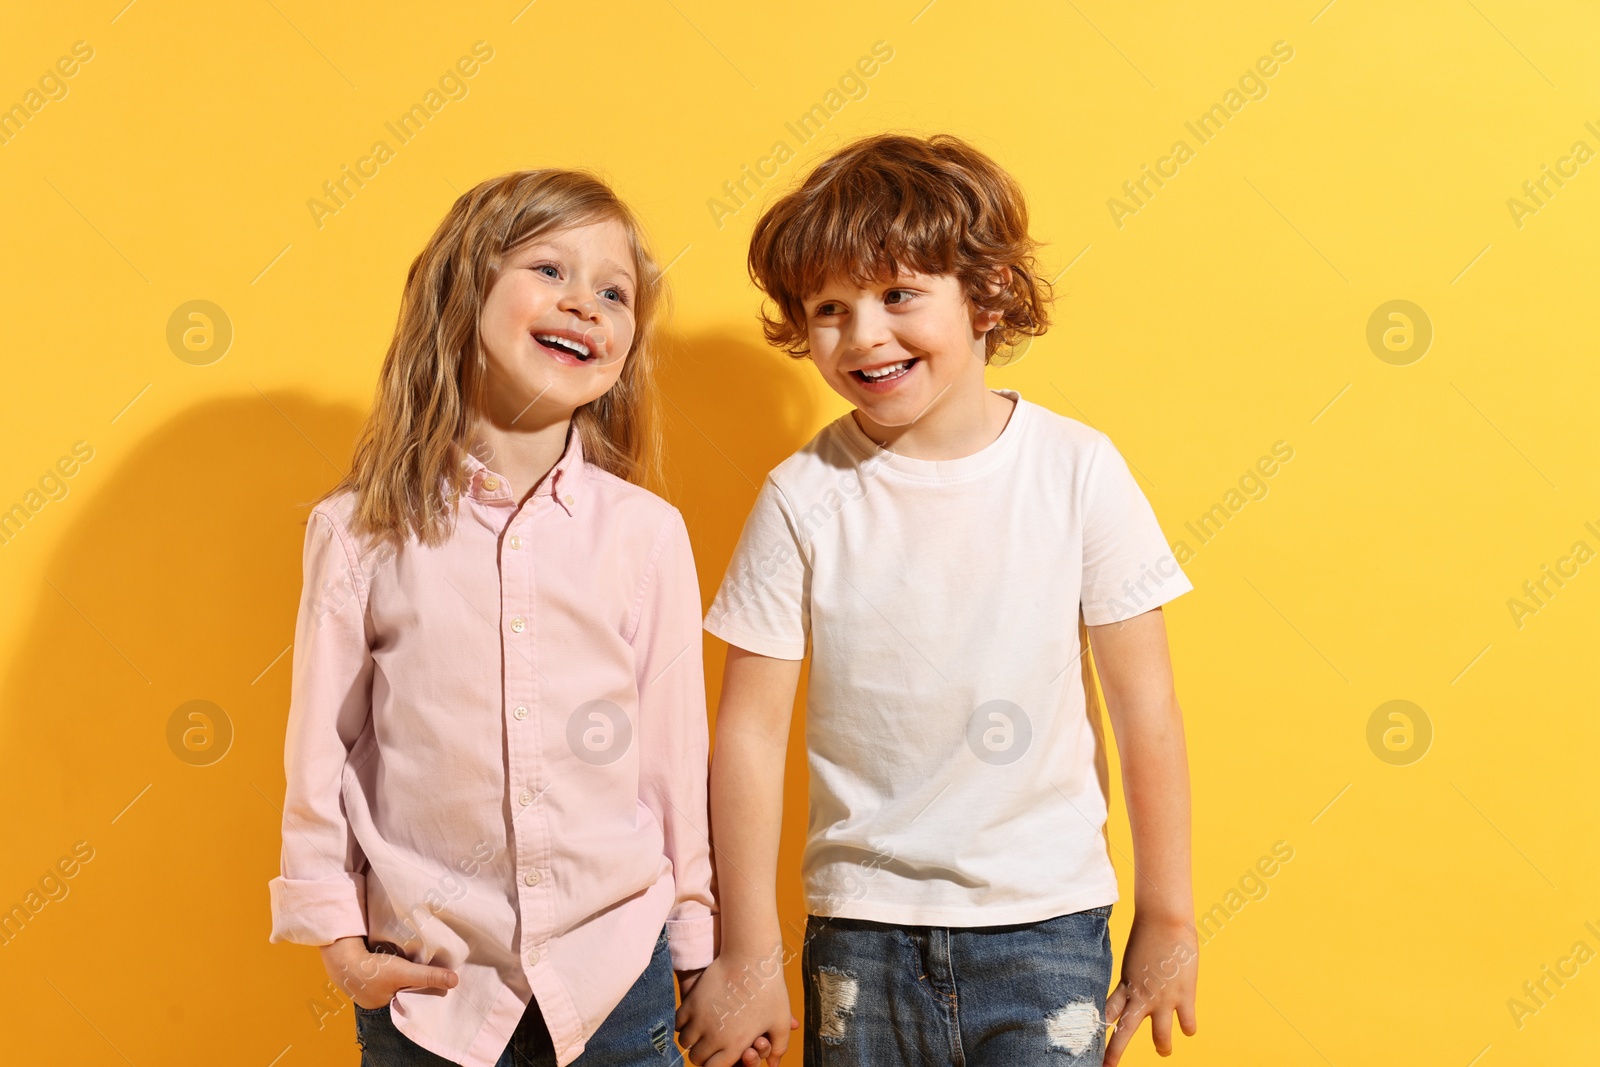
(1229, 313)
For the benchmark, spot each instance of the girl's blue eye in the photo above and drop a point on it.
(554, 273)
(616, 294)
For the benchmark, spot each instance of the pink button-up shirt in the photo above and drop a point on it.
(496, 755)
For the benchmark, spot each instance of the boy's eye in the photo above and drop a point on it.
(892, 294)
(828, 308)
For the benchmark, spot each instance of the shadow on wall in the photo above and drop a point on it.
(178, 581)
(732, 411)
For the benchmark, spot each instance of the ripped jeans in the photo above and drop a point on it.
(637, 1033)
(911, 996)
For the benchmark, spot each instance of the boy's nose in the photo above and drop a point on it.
(867, 331)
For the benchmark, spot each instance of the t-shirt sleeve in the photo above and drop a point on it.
(763, 605)
(1127, 567)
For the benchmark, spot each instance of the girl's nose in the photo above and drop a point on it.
(581, 305)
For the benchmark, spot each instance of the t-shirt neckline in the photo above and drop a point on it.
(944, 470)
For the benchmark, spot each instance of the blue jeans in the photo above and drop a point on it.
(915, 996)
(637, 1033)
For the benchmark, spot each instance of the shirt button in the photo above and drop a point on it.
(568, 499)
(532, 878)
(516, 542)
(526, 798)
(520, 711)
(533, 956)
(517, 624)
(491, 483)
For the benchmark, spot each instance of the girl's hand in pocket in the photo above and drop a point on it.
(371, 979)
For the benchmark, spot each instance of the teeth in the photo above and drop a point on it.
(577, 348)
(885, 372)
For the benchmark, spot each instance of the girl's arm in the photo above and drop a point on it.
(320, 894)
(673, 739)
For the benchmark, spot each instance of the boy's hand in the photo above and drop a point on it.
(371, 979)
(719, 1030)
(752, 1055)
(1159, 969)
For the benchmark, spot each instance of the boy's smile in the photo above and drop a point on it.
(905, 350)
(882, 379)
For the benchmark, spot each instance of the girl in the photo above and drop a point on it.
(495, 823)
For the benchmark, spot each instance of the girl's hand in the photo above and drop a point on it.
(371, 979)
(687, 979)
(762, 1049)
(1159, 970)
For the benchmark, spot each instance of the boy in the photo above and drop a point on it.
(936, 546)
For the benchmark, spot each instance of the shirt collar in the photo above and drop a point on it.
(563, 485)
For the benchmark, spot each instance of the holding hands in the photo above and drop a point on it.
(746, 1026)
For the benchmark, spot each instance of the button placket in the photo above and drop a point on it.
(524, 743)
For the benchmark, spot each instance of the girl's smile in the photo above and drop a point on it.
(558, 323)
(569, 346)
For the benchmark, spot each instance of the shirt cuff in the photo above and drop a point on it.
(692, 942)
(318, 912)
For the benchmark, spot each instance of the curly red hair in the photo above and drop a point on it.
(934, 205)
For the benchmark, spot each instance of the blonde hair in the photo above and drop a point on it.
(405, 473)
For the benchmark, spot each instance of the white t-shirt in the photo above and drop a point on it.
(952, 757)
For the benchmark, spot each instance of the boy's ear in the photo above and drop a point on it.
(988, 318)
(999, 280)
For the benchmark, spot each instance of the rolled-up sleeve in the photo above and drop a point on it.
(674, 742)
(320, 893)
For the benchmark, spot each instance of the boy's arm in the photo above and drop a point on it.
(752, 735)
(1161, 961)
(747, 795)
